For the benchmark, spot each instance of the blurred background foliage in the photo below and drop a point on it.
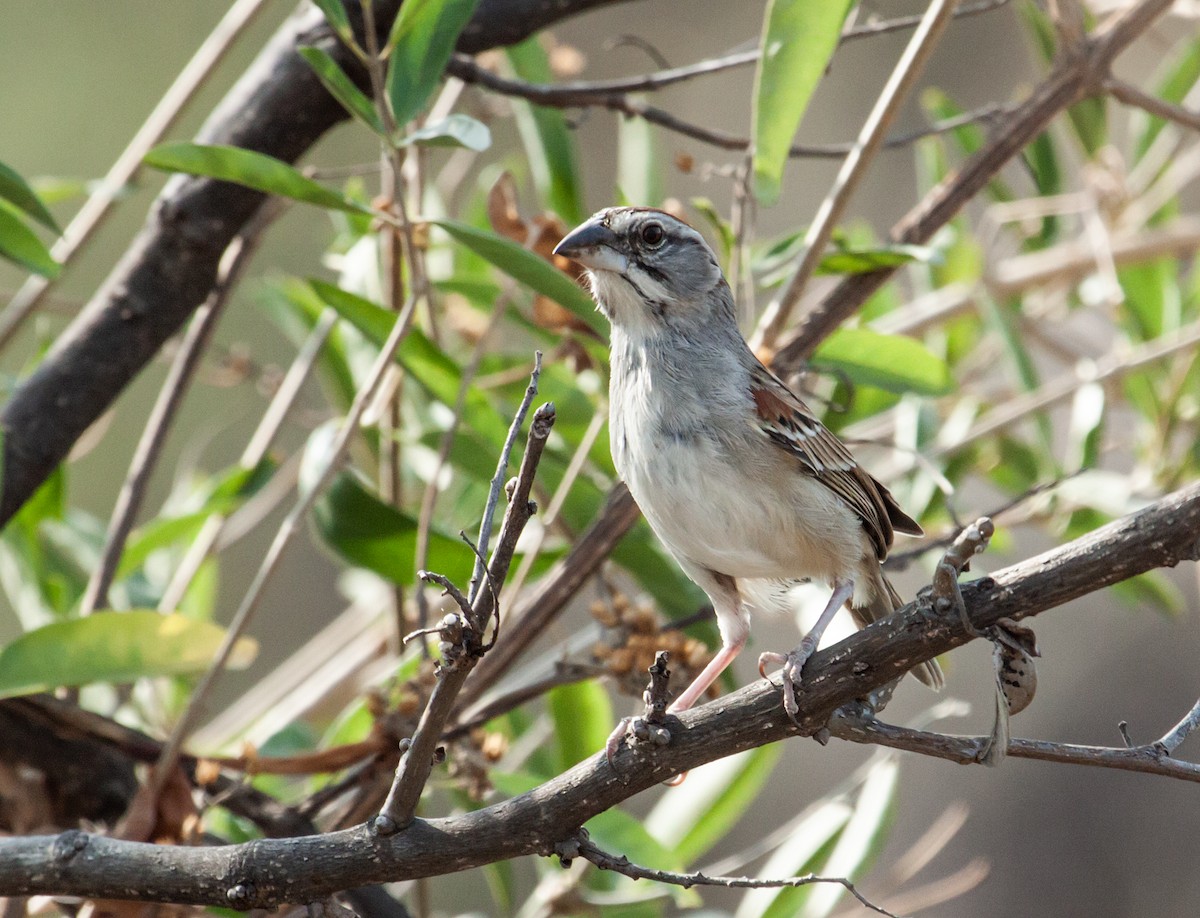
(1036, 360)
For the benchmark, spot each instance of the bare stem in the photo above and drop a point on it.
(870, 139)
(154, 436)
(580, 846)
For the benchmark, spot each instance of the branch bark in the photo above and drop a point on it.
(266, 872)
(278, 107)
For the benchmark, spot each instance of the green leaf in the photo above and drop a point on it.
(863, 261)
(892, 362)
(708, 210)
(17, 192)
(549, 143)
(711, 802)
(335, 15)
(583, 719)
(639, 163)
(616, 830)
(799, 38)
(422, 40)
(254, 170)
(1153, 299)
(370, 533)
(454, 131)
(342, 88)
(1181, 75)
(858, 843)
(805, 848)
(530, 269)
(1089, 118)
(19, 244)
(430, 366)
(969, 137)
(113, 647)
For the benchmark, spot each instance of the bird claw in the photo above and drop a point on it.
(793, 668)
(638, 730)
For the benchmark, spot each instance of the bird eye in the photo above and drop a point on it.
(653, 235)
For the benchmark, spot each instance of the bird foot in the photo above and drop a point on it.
(793, 666)
(636, 730)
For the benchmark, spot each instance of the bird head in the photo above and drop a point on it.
(648, 270)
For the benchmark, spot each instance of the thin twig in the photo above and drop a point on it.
(870, 139)
(432, 489)
(900, 23)
(553, 591)
(1172, 738)
(252, 455)
(283, 537)
(1153, 105)
(558, 498)
(555, 96)
(190, 80)
(499, 478)
(466, 646)
(580, 846)
(1070, 81)
(969, 750)
(465, 69)
(564, 674)
(179, 379)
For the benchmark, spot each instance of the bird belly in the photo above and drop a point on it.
(711, 511)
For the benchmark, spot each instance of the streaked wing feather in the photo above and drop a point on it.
(789, 424)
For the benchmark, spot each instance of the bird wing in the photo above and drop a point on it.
(790, 425)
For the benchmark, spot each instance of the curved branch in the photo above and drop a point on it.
(278, 107)
(269, 871)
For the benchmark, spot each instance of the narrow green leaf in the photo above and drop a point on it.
(17, 192)
(892, 362)
(19, 244)
(856, 846)
(1182, 72)
(1089, 118)
(639, 163)
(708, 210)
(616, 830)
(803, 851)
(254, 170)
(422, 40)
(693, 819)
(863, 261)
(968, 137)
(454, 131)
(549, 142)
(228, 491)
(1153, 298)
(113, 647)
(370, 533)
(342, 88)
(799, 38)
(335, 15)
(583, 719)
(530, 269)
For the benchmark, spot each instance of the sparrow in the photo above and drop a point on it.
(739, 480)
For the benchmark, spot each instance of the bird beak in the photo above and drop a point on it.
(594, 246)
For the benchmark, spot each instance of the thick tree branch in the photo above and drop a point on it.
(1075, 76)
(278, 107)
(265, 872)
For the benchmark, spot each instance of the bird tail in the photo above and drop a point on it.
(886, 601)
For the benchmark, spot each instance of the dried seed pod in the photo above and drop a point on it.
(1013, 648)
